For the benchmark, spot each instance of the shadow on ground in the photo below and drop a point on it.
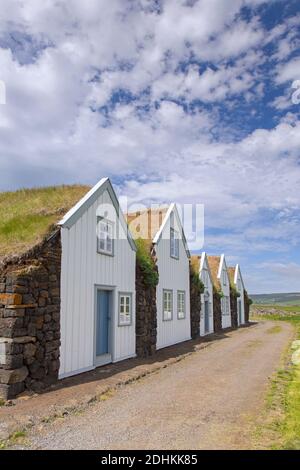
(171, 352)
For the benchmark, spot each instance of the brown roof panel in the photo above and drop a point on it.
(195, 263)
(214, 263)
(146, 223)
(231, 273)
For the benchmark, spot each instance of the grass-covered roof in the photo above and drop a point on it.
(28, 215)
(214, 263)
(231, 273)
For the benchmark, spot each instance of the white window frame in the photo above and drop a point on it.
(108, 235)
(181, 312)
(224, 277)
(125, 304)
(174, 243)
(167, 313)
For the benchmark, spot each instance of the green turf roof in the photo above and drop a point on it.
(27, 215)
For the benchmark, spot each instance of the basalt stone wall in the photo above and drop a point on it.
(233, 309)
(146, 316)
(30, 319)
(195, 308)
(217, 313)
(247, 306)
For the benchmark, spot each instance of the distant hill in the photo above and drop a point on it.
(292, 298)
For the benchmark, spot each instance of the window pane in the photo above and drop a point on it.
(109, 245)
(125, 310)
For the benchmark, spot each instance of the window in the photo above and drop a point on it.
(224, 277)
(180, 304)
(239, 285)
(104, 236)
(125, 308)
(225, 305)
(174, 243)
(167, 305)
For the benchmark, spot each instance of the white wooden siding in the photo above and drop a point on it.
(241, 291)
(209, 290)
(226, 318)
(82, 270)
(173, 275)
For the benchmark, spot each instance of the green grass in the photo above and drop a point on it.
(274, 330)
(283, 308)
(18, 437)
(26, 216)
(284, 396)
(146, 262)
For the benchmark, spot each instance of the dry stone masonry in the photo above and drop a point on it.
(217, 312)
(30, 319)
(247, 303)
(146, 316)
(195, 307)
(233, 308)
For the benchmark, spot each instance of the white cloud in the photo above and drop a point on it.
(289, 71)
(51, 130)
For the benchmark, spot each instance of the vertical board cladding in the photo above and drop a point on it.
(240, 289)
(146, 316)
(174, 275)
(206, 296)
(83, 270)
(30, 319)
(217, 312)
(233, 308)
(225, 302)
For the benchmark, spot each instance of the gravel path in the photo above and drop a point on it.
(208, 401)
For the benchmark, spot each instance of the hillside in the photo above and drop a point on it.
(27, 215)
(292, 298)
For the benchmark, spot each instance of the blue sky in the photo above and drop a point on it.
(185, 101)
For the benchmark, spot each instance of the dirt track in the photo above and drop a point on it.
(210, 400)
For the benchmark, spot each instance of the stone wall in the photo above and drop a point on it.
(195, 307)
(233, 308)
(247, 306)
(30, 319)
(217, 312)
(146, 316)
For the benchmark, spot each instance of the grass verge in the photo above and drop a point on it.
(282, 428)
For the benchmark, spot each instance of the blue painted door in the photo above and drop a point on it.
(102, 322)
(206, 317)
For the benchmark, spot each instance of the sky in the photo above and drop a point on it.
(186, 101)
